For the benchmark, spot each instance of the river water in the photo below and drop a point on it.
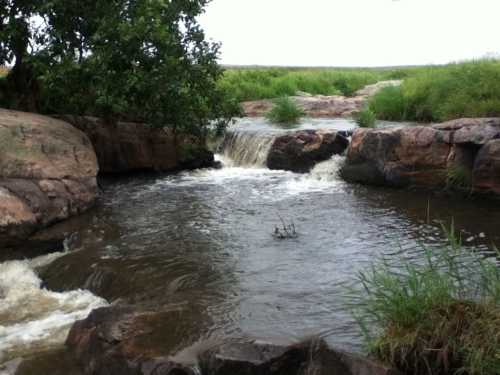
(203, 240)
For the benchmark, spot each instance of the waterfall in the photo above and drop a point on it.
(247, 148)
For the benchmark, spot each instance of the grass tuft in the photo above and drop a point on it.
(436, 315)
(285, 112)
(366, 118)
(459, 178)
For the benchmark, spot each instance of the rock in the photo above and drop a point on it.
(424, 156)
(127, 147)
(313, 106)
(486, 175)
(371, 90)
(321, 105)
(123, 340)
(300, 151)
(48, 173)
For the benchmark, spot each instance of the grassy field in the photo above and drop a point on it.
(428, 93)
(267, 83)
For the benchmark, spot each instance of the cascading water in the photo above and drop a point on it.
(247, 148)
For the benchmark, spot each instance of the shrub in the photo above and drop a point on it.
(285, 111)
(365, 119)
(436, 315)
(389, 104)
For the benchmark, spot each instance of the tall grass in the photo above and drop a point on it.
(437, 315)
(428, 94)
(269, 83)
(285, 112)
(365, 119)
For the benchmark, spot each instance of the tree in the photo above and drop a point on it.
(140, 60)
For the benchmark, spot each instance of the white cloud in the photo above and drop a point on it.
(353, 32)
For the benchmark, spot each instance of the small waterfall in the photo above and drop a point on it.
(247, 148)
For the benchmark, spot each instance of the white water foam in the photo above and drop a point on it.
(33, 318)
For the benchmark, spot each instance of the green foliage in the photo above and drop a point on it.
(141, 60)
(436, 315)
(285, 112)
(366, 118)
(268, 83)
(459, 178)
(389, 104)
(470, 89)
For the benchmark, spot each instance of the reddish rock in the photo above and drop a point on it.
(299, 151)
(423, 156)
(127, 147)
(48, 173)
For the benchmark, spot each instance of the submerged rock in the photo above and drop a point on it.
(300, 151)
(428, 156)
(127, 147)
(48, 173)
(123, 340)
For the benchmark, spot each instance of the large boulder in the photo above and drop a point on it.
(124, 340)
(428, 156)
(48, 173)
(299, 151)
(126, 147)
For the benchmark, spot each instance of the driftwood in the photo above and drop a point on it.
(285, 231)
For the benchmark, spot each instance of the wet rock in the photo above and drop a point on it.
(300, 151)
(123, 340)
(126, 340)
(424, 156)
(48, 173)
(127, 147)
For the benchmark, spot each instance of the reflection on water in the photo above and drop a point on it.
(203, 241)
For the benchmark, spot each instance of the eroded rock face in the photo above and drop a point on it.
(123, 340)
(127, 147)
(424, 155)
(48, 173)
(300, 151)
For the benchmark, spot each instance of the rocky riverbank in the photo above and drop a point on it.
(463, 153)
(125, 340)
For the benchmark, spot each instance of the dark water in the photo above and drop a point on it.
(203, 241)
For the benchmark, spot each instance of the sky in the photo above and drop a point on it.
(353, 32)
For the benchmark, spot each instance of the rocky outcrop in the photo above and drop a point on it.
(428, 156)
(299, 151)
(48, 173)
(320, 105)
(127, 147)
(122, 340)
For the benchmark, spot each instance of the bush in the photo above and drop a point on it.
(389, 104)
(435, 94)
(365, 119)
(436, 315)
(285, 112)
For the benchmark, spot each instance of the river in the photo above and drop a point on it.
(203, 240)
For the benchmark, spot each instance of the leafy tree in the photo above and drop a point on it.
(140, 60)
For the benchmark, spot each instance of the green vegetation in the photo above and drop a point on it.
(285, 112)
(366, 118)
(269, 83)
(144, 60)
(436, 315)
(434, 94)
(459, 178)
(3, 71)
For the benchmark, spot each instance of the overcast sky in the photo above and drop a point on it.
(353, 32)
